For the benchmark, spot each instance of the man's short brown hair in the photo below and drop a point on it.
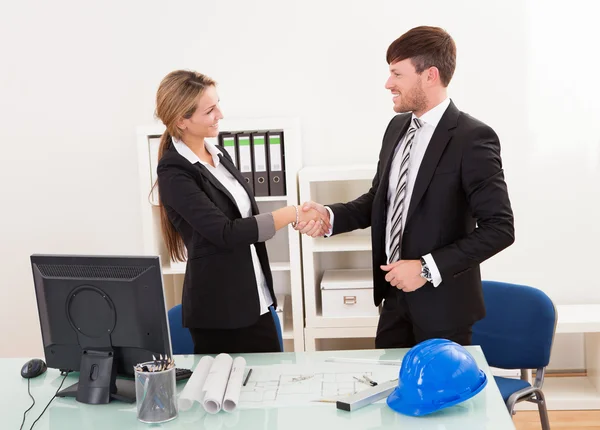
(426, 47)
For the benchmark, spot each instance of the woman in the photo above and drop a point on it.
(208, 210)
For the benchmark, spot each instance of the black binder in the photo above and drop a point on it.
(242, 141)
(276, 158)
(259, 164)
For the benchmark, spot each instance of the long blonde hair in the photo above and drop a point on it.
(176, 98)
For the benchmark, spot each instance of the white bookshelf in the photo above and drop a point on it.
(333, 252)
(283, 249)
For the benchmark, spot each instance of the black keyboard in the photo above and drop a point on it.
(182, 374)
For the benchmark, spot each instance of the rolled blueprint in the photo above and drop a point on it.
(193, 390)
(234, 385)
(216, 383)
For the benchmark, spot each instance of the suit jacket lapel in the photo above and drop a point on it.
(441, 136)
(215, 182)
(237, 175)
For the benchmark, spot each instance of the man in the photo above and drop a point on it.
(438, 206)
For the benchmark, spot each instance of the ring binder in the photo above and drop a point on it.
(227, 140)
(259, 164)
(242, 141)
(276, 171)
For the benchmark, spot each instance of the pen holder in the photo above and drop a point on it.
(155, 395)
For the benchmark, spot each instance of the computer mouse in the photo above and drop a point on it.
(34, 367)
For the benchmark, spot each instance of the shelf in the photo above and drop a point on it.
(280, 267)
(313, 333)
(155, 203)
(341, 322)
(288, 333)
(179, 268)
(578, 318)
(337, 173)
(271, 199)
(342, 243)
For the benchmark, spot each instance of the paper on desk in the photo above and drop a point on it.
(216, 383)
(284, 385)
(234, 385)
(193, 390)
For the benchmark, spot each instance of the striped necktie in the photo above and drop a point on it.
(396, 231)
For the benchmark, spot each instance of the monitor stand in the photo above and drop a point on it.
(98, 383)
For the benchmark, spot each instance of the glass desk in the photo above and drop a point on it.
(486, 411)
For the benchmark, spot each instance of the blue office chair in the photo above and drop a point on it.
(517, 333)
(181, 339)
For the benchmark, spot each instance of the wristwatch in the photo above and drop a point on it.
(425, 272)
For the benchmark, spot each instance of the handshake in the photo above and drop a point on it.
(313, 220)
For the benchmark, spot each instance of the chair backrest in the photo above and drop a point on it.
(518, 329)
(181, 339)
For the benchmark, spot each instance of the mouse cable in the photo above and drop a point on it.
(53, 397)
(32, 405)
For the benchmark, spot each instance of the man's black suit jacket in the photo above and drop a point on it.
(459, 212)
(219, 290)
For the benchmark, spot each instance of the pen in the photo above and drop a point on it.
(362, 381)
(370, 381)
(366, 380)
(247, 377)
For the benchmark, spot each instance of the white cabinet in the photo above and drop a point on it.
(331, 184)
(283, 249)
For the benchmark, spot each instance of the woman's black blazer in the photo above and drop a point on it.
(219, 289)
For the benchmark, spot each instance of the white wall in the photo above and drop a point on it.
(76, 80)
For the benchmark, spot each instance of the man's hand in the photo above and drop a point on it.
(404, 275)
(315, 228)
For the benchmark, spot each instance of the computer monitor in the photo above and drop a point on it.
(100, 315)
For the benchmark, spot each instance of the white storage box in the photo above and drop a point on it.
(348, 293)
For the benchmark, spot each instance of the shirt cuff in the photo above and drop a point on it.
(330, 232)
(435, 273)
(266, 226)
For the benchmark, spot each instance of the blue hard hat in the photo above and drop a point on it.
(435, 374)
